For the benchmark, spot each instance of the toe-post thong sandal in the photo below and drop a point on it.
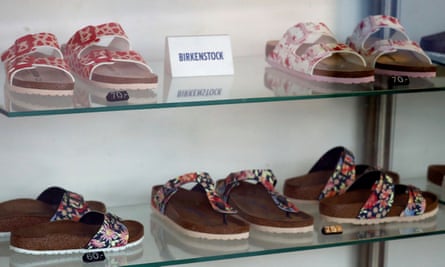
(101, 57)
(198, 212)
(35, 65)
(383, 42)
(310, 51)
(331, 175)
(53, 204)
(375, 199)
(253, 194)
(95, 231)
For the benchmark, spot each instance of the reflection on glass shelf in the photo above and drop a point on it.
(254, 81)
(164, 245)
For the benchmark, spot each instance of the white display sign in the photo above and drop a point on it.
(206, 55)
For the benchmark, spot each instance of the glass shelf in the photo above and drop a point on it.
(253, 82)
(165, 246)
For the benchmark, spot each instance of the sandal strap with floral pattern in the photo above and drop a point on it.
(35, 64)
(91, 60)
(395, 54)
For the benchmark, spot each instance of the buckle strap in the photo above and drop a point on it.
(30, 43)
(163, 195)
(381, 199)
(265, 178)
(112, 232)
(416, 202)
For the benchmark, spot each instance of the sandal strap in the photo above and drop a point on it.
(163, 195)
(112, 232)
(265, 178)
(416, 202)
(380, 200)
(344, 174)
(32, 43)
(70, 205)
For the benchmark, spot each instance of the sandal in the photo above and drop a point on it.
(35, 65)
(198, 212)
(331, 175)
(311, 51)
(95, 231)
(252, 193)
(374, 199)
(53, 204)
(113, 65)
(397, 55)
(436, 174)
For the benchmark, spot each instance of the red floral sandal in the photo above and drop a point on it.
(101, 57)
(310, 51)
(198, 212)
(35, 65)
(395, 55)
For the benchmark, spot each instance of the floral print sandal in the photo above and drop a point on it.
(95, 231)
(395, 55)
(53, 204)
(311, 51)
(199, 212)
(253, 194)
(35, 65)
(374, 199)
(101, 57)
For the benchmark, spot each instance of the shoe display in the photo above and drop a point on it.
(310, 50)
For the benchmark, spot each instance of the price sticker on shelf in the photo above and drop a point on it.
(205, 55)
(397, 81)
(93, 257)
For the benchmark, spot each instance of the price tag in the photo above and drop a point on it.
(397, 81)
(115, 96)
(93, 257)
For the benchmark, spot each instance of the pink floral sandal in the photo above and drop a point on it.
(396, 55)
(311, 51)
(101, 56)
(35, 65)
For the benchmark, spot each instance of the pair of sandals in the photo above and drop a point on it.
(229, 208)
(99, 56)
(310, 51)
(61, 222)
(358, 193)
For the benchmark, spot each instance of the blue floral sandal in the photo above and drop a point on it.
(252, 193)
(198, 212)
(374, 199)
(95, 231)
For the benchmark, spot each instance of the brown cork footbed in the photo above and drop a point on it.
(436, 173)
(333, 66)
(191, 210)
(403, 61)
(18, 213)
(348, 205)
(309, 186)
(255, 205)
(65, 235)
